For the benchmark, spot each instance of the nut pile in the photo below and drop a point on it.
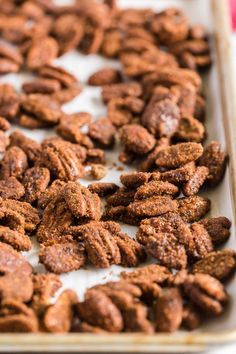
(156, 112)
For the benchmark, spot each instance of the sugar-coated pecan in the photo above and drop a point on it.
(16, 271)
(81, 202)
(167, 249)
(135, 319)
(41, 85)
(65, 78)
(220, 264)
(43, 108)
(98, 310)
(168, 310)
(168, 223)
(66, 94)
(196, 181)
(217, 228)
(136, 139)
(152, 206)
(202, 241)
(134, 179)
(106, 76)
(58, 317)
(122, 111)
(122, 196)
(186, 96)
(121, 214)
(179, 175)
(95, 156)
(11, 188)
(84, 327)
(98, 171)
(62, 160)
(30, 147)
(100, 244)
(177, 155)
(103, 189)
(170, 26)
(9, 102)
(4, 142)
(200, 108)
(102, 131)
(8, 66)
(42, 53)
(17, 317)
(215, 160)
(154, 188)
(149, 161)
(30, 122)
(190, 129)
(50, 193)
(56, 217)
(45, 286)
(35, 181)
(193, 208)
(132, 253)
(62, 257)
(161, 118)
(31, 10)
(4, 124)
(191, 317)
(147, 279)
(206, 292)
(111, 45)
(18, 240)
(121, 90)
(11, 53)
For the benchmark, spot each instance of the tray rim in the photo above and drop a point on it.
(183, 341)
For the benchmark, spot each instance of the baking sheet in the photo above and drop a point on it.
(82, 66)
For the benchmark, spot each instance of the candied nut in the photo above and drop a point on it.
(15, 271)
(9, 102)
(161, 118)
(122, 111)
(102, 132)
(4, 142)
(180, 154)
(186, 97)
(11, 53)
(81, 202)
(170, 26)
(153, 206)
(193, 208)
(58, 317)
(103, 189)
(62, 257)
(134, 179)
(122, 90)
(135, 319)
(35, 181)
(202, 241)
(84, 327)
(95, 156)
(67, 94)
(220, 264)
(156, 188)
(136, 139)
(30, 147)
(45, 286)
(149, 161)
(167, 249)
(191, 318)
(120, 213)
(190, 129)
(206, 292)
(217, 228)
(4, 124)
(122, 196)
(168, 310)
(8, 66)
(11, 188)
(62, 160)
(50, 193)
(65, 78)
(29, 122)
(98, 171)
(132, 253)
(43, 108)
(98, 310)
(100, 244)
(105, 76)
(111, 45)
(200, 108)
(179, 175)
(17, 317)
(44, 86)
(17, 240)
(69, 128)
(31, 10)
(215, 160)
(92, 40)
(42, 53)
(56, 217)
(196, 181)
